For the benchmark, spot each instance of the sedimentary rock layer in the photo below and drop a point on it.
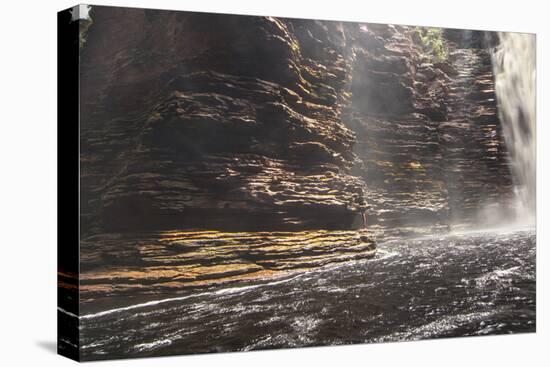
(119, 266)
(228, 129)
(216, 122)
(217, 148)
(429, 137)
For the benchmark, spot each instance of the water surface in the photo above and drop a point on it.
(477, 283)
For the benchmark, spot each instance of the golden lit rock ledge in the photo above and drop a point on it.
(115, 264)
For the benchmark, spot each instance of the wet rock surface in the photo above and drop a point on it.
(201, 123)
(432, 287)
(263, 142)
(120, 269)
(429, 136)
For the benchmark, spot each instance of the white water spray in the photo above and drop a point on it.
(514, 65)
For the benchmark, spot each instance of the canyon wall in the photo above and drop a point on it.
(429, 137)
(214, 148)
(216, 121)
(208, 121)
(220, 147)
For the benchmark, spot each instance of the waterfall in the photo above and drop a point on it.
(514, 65)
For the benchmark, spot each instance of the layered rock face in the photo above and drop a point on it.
(477, 167)
(199, 122)
(428, 132)
(177, 261)
(217, 148)
(217, 121)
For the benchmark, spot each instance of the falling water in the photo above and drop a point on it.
(514, 68)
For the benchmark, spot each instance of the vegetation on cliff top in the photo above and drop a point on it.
(432, 42)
